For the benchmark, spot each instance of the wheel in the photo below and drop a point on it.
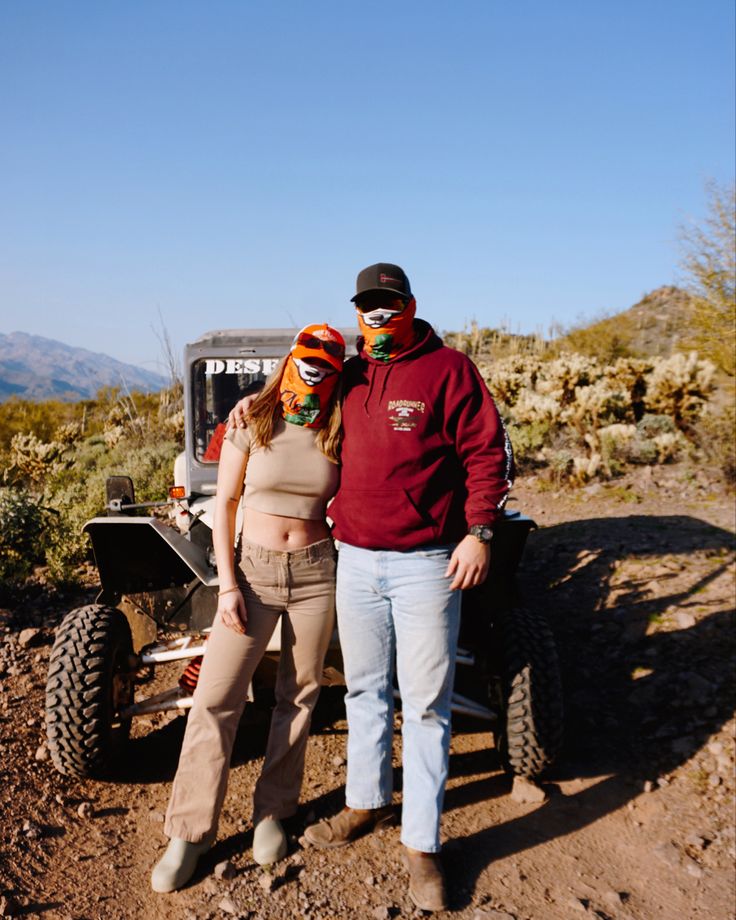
(89, 683)
(529, 737)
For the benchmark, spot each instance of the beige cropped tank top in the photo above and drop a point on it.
(291, 477)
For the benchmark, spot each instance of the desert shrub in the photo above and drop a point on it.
(78, 493)
(22, 525)
(528, 440)
(709, 260)
(650, 425)
(642, 450)
(715, 435)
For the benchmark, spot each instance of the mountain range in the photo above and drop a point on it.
(37, 368)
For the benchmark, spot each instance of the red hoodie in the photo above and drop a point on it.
(425, 453)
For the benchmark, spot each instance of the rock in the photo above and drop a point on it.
(691, 867)
(526, 792)
(28, 636)
(42, 753)
(227, 906)
(156, 817)
(86, 810)
(714, 780)
(684, 620)
(695, 840)
(715, 748)
(31, 830)
(265, 881)
(225, 870)
(579, 904)
(381, 913)
(369, 881)
(648, 786)
(668, 854)
(338, 761)
(614, 898)
(485, 914)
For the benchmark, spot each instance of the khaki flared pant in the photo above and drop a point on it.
(299, 588)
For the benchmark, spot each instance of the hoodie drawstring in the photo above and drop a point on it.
(385, 369)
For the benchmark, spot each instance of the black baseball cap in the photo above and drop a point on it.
(383, 276)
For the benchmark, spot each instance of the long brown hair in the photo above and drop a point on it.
(266, 409)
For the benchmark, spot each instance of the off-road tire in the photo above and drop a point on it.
(529, 735)
(89, 682)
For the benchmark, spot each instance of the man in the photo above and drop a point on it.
(426, 470)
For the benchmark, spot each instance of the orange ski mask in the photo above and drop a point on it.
(388, 330)
(310, 375)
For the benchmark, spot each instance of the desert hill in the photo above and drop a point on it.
(37, 368)
(658, 325)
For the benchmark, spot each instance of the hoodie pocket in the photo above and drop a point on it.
(380, 518)
(376, 518)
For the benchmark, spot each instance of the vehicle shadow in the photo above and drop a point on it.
(643, 691)
(154, 757)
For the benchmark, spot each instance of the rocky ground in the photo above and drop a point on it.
(636, 821)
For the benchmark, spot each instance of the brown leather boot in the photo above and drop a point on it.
(348, 825)
(426, 879)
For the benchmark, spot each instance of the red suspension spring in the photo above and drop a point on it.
(188, 680)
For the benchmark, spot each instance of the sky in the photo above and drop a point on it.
(181, 165)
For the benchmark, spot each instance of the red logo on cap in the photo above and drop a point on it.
(384, 278)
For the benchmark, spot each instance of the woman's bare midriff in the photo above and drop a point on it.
(282, 533)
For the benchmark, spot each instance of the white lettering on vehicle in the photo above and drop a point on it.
(239, 366)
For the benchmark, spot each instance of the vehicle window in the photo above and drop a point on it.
(218, 383)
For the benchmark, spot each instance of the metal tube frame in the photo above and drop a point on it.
(178, 699)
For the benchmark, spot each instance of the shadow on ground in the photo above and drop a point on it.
(639, 701)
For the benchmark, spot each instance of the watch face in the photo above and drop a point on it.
(482, 532)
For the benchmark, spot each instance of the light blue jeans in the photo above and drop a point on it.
(397, 606)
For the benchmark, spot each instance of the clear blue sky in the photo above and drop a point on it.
(236, 163)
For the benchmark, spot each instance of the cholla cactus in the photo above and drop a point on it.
(618, 412)
(669, 445)
(562, 377)
(68, 433)
(33, 461)
(533, 407)
(679, 386)
(586, 468)
(508, 378)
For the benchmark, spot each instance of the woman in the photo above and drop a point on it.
(283, 567)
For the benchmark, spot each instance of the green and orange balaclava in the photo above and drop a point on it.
(311, 372)
(386, 309)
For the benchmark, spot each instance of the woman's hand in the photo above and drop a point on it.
(231, 608)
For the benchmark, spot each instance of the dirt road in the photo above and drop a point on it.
(637, 578)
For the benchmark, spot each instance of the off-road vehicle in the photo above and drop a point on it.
(159, 595)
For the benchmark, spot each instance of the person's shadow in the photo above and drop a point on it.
(645, 687)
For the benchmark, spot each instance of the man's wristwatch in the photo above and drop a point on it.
(482, 532)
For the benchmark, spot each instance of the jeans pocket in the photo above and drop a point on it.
(443, 551)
